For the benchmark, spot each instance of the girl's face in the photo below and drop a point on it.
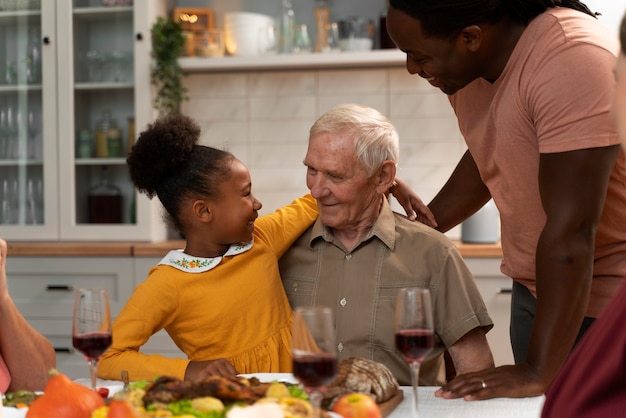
(619, 99)
(236, 208)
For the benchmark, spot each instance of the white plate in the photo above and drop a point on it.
(281, 377)
(271, 377)
(8, 412)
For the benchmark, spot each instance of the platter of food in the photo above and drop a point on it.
(275, 395)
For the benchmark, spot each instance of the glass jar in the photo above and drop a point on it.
(105, 201)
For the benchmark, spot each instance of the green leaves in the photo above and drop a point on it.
(168, 43)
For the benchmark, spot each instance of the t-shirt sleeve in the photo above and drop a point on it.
(569, 100)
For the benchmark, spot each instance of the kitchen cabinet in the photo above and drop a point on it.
(495, 289)
(62, 74)
(43, 291)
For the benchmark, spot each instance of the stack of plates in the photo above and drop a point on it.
(241, 32)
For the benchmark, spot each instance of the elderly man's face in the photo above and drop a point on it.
(619, 99)
(346, 198)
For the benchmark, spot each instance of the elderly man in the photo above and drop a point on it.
(359, 253)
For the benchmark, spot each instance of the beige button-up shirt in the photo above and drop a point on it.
(361, 286)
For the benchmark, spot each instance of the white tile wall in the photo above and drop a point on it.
(264, 119)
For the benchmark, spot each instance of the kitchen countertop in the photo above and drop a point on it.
(157, 249)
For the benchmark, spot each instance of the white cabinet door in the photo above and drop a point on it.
(28, 124)
(495, 289)
(43, 291)
(96, 59)
(105, 69)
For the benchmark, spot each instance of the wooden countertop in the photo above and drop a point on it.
(158, 249)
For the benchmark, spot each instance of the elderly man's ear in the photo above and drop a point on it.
(386, 177)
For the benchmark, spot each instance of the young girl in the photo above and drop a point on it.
(221, 300)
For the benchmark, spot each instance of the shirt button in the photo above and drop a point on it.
(295, 287)
(340, 347)
(348, 257)
(343, 302)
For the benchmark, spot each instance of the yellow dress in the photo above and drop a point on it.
(231, 307)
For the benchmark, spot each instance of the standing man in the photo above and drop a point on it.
(531, 84)
(359, 253)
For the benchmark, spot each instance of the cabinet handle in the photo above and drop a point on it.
(62, 288)
(46, 40)
(63, 350)
(505, 291)
(139, 36)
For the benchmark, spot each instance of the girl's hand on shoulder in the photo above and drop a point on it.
(199, 370)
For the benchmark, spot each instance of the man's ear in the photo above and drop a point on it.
(470, 38)
(386, 176)
(202, 211)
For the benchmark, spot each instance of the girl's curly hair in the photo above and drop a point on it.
(168, 162)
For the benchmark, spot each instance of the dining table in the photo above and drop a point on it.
(430, 406)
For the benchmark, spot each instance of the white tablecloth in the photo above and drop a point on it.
(429, 405)
(432, 407)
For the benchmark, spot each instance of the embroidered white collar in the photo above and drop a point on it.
(185, 262)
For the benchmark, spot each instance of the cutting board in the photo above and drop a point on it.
(390, 404)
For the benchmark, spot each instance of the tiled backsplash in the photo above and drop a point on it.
(264, 119)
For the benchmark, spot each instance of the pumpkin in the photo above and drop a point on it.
(119, 408)
(65, 398)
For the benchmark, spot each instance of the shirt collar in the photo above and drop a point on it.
(190, 264)
(384, 229)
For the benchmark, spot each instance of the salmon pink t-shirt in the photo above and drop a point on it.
(5, 376)
(554, 95)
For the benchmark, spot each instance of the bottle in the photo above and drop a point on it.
(131, 133)
(114, 141)
(483, 227)
(322, 20)
(102, 135)
(384, 38)
(287, 27)
(84, 144)
(105, 201)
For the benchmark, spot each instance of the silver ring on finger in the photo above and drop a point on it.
(483, 384)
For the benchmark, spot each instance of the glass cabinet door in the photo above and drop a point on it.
(103, 110)
(104, 91)
(27, 121)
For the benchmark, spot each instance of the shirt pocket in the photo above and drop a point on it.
(300, 290)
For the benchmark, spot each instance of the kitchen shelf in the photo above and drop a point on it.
(375, 58)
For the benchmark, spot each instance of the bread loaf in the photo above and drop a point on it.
(363, 376)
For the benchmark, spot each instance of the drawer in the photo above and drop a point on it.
(43, 287)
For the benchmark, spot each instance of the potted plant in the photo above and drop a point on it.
(168, 43)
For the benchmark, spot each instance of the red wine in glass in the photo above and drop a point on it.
(414, 331)
(91, 326)
(314, 351)
(315, 371)
(92, 345)
(415, 344)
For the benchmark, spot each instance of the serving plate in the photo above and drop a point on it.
(281, 377)
(9, 412)
(271, 377)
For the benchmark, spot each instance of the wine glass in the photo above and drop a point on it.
(314, 352)
(91, 331)
(414, 333)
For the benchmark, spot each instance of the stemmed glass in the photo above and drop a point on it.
(414, 331)
(314, 351)
(91, 331)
